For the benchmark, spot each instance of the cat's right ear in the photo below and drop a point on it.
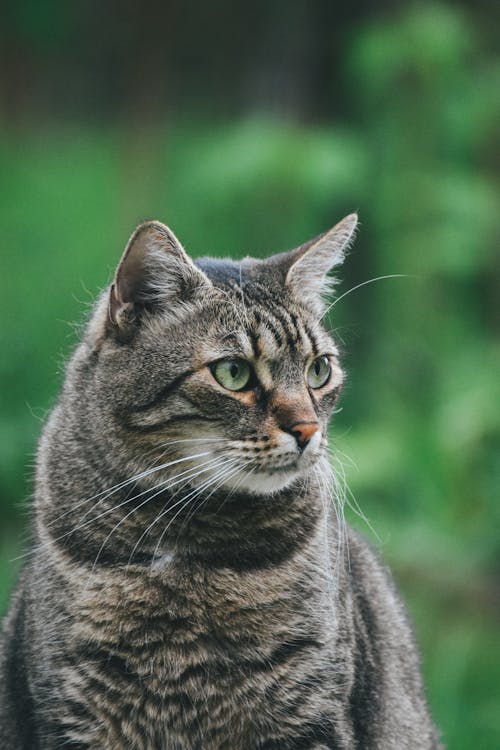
(154, 274)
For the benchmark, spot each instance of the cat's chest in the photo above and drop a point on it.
(186, 610)
(183, 653)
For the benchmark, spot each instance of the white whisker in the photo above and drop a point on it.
(238, 484)
(233, 470)
(134, 497)
(185, 500)
(112, 490)
(209, 466)
(364, 283)
(163, 487)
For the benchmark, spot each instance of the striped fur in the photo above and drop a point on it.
(191, 585)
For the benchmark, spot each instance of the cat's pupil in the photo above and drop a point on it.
(234, 370)
(317, 367)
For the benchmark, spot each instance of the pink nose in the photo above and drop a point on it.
(303, 432)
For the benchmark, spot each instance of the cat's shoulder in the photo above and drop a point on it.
(370, 578)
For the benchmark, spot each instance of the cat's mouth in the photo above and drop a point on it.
(271, 476)
(266, 481)
(246, 465)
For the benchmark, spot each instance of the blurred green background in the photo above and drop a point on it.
(249, 130)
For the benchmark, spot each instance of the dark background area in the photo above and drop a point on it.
(249, 128)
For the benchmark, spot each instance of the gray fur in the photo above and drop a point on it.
(217, 602)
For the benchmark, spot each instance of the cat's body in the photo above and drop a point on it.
(213, 603)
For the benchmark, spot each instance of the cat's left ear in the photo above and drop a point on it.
(309, 265)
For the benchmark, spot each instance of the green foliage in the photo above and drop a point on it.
(421, 411)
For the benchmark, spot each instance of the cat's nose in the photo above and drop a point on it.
(303, 432)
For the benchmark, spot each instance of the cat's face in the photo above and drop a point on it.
(222, 371)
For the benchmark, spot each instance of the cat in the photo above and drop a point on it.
(191, 585)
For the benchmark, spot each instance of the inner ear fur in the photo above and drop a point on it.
(308, 265)
(154, 272)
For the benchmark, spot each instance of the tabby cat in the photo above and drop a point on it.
(191, 584)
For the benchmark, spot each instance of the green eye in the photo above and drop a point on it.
(233, 374)
(318, 373)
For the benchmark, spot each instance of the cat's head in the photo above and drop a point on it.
(221, 370)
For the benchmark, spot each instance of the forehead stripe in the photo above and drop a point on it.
(279, 314)
(312, 338)
(272, 328)
(264, 320)
(255, 342)
(288, 329)
(296, 323)
(281, 323)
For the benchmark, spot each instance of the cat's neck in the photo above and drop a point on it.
(100, 518)
(115, 524)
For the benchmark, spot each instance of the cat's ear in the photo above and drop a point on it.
(154, 273)
(309, 265)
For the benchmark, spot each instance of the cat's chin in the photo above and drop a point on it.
(264, 483)
(269, 481)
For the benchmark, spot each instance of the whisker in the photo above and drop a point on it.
(148, 499)
(238, 484)
(335, 491)
(185, 500)
(239, 467)
(150, 489)
(130, 499)
(111, 490)
(340, 489)
(335, 451)
(233, 471)
(364, 283)
(350, 498)
(167, 508)
(356, 508)
(331, 574)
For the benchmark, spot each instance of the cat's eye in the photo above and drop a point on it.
(319, 372)
(233, 374)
